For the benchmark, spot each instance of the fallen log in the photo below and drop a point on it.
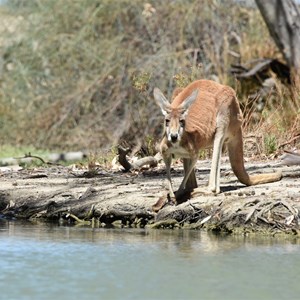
(151, 161)
(291, 158)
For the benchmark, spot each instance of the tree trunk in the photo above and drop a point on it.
(282, 18)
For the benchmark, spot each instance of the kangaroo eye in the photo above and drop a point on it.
(182, 123)
(167, 122)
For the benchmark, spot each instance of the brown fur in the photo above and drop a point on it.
(201, 118)
(212, 117)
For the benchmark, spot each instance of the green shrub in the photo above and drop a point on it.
(80, 73)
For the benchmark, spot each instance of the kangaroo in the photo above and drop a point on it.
(204, 113)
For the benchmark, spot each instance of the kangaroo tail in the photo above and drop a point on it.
(236, 157)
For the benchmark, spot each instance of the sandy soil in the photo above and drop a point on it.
(61, 194)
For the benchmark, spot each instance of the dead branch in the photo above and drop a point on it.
(252, 211)
(297, 136)
(78, 221)
(148, 160)
(261, 69)
(152, 161)
(291, 158)
(29, 155)
(122, 152)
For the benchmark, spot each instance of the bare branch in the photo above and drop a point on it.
(152, 161)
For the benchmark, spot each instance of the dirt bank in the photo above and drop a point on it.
(125, 199)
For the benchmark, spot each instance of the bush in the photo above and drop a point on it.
(82, 73)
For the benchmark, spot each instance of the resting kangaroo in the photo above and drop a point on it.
(202, 114)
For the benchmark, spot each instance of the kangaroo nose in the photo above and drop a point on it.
(174, 137)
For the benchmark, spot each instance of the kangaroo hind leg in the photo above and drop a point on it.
(223, 119)
(214, 177)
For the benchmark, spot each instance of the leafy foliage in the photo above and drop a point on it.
(80, 73)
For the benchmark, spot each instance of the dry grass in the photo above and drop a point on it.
(81, 74)
(277, 127)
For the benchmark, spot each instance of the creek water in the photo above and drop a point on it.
(43, 261)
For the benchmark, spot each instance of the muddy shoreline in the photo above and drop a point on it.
(106, 198)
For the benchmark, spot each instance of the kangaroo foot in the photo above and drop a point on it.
(183, 195)
(202, 191)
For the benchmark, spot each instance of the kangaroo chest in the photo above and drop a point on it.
(177, 151)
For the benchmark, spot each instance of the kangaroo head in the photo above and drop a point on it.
(174, 116)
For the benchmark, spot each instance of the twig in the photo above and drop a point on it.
(80, 221)
(292, 210)
(37, 157)
(91, 212)
(289, 141)
(252, 211)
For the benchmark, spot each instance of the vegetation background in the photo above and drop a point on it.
(79, 74)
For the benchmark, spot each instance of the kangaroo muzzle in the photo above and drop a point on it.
(173, 137)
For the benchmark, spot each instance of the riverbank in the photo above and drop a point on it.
(114, 198)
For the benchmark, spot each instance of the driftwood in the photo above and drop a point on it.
(291, 158)
(51, 159)
(273, 216)
(152, 161)
(126, 200)
(260, 70)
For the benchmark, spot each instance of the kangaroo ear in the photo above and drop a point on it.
(186, 104)
(162, 101)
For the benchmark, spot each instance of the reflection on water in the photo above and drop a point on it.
(45, 261)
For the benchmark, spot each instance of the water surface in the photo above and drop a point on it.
(56, 262)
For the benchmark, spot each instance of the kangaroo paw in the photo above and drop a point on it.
(206, 191)
(183, 195)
